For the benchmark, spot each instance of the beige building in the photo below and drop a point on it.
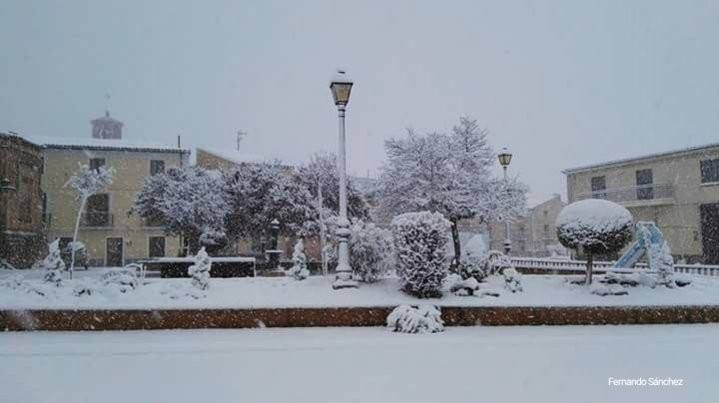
(111, 235)
(534, 234)
(679, 190)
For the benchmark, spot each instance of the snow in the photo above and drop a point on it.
(475, 364)
(316, 291)
(109, 144)
(600, 215)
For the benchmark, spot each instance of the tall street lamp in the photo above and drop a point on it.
(505, 157)
(341, 86)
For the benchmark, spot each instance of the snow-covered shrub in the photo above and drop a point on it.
(607, 289)
(371, 251)
(122, 280)
(53, 264)
(496, 262)
(200, 271)
(419, 242)
(5, 265)
(421, 319)
(512, 280)
(17, 283)
(594, 226)
(85, 288)
(464, 287)
(299, 271)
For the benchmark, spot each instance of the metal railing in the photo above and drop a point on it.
(558, 266)
(632, 193)
(96, 219)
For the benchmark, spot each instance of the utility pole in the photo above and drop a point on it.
(240, 135)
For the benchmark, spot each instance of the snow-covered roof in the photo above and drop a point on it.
(243, 158)
(674, 153)
(103, 144)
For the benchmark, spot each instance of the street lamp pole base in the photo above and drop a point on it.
(344, 280)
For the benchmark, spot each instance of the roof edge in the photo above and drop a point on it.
(624, 161)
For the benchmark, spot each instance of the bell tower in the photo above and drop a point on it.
(106, 128)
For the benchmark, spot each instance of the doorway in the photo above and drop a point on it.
(114, 252)
(709, 216)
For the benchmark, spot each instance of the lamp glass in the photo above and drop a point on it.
(505, 158)
(341, 92)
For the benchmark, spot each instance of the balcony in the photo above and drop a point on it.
(635, 196)
(96, 219)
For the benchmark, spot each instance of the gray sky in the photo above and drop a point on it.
(562, 83)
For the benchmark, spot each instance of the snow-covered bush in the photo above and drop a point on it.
(607, 289)
(17, 283)
(5, 265)
(419, 242)
(512, 280)
(497, 262)
(85, 288)
(200, 271)
(371, 251)
(53, 264)
(594, 226)
(464, 287)
(299, 271)
(421, 319)
(121, 280)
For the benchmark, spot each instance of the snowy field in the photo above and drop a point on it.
(261, 292)
(478, 364)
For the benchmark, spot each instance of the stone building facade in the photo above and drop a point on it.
(22, 240)
(534, 235)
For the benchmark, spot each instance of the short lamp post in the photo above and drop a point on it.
(341, 86)
(505, 157)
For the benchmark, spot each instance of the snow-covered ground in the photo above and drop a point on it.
(260, 292)
(477, 364)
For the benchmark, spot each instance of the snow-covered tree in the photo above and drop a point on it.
(260, 193)
(421, 319)
(321, 179)
(299, 271)
(87, 182)
(449, 174)
(188, 202)
(371, 251)
(53, 264)
(200, 271)
(420, 247)
(594, 227)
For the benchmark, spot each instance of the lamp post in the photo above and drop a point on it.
(341, 86)
(505, 157)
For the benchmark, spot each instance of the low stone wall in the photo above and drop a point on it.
(354, 316)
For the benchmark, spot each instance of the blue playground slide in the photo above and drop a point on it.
(647, 235)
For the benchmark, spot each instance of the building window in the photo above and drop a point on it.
(157, 167)
(96, 163)
(157, 246)
(645, 179)
(709, 170)
(97, 212)
(599, 185)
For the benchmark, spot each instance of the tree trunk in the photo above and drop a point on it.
(455, 241)
(590, 263)
(74, 236)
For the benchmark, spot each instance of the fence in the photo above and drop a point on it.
(558, 266)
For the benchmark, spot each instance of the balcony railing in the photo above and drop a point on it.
(632, 193)
(96, 219)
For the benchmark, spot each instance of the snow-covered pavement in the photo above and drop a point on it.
(478, 364)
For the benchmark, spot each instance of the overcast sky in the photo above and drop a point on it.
(562, 83)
